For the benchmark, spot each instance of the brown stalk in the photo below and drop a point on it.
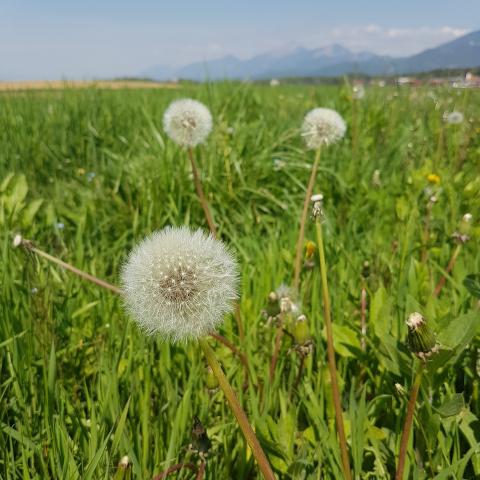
(303, 220)
(408, 423)
(175, 468)
(201, 195)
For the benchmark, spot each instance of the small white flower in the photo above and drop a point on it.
(322, 126)
(467, 218)
(179, 283)
(453, 118)
(187, 122)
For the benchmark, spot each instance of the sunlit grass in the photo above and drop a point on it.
(93, 173)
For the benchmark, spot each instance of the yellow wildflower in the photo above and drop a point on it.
(433, 178)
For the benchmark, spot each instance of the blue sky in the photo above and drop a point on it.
(84, 39)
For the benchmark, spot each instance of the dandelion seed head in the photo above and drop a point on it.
(453, 118)
(187, 122)
(179, 283)
(322, 126)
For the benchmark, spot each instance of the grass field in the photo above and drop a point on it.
(88, 173)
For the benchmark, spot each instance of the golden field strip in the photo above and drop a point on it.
(77, 84)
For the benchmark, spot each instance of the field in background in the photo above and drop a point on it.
(88, 173)
(74, 84)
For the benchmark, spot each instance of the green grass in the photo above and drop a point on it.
(80, 386)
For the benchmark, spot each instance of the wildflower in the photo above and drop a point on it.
(433, 178)
(60, 226)
(453, 118)
(179, 283)
(124, 462)
(421, 339)
(322, 126)
(90, 176)
(187, 122)
(310, 248)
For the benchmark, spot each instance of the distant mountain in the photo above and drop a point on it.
(333, 60)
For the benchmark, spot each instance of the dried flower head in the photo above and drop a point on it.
(322, 126)
(187, 122)
(453, 118)
(179, 283)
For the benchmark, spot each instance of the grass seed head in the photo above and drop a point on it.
(187, 122)
(322, 126)
(179, 283)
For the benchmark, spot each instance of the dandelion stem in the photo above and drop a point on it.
(237, 410)
(29, 246)
(449, 268)
(201, 195)
(331, 355)
(363, 320)
(276, 351)
(303, 219)
(174, 468)
(408, 422)
(212, 227)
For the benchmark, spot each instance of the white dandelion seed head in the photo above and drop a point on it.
(322, 126)
(179, 283)
(187, 122)
(453, 118)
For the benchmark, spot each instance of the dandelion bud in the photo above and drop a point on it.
(400, 389)
(211, 380)
(421, 339)
(317, 210)
(465, 225)
(17, 241)
(301, 330)
(187, 122)
(124, 470)
(366, 269)
(124, 462)
(322, 126)
(179, 283)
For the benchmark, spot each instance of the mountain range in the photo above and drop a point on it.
(330, 61)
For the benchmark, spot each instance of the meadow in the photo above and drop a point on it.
(86, 174)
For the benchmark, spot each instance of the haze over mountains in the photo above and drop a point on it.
(333, 60)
